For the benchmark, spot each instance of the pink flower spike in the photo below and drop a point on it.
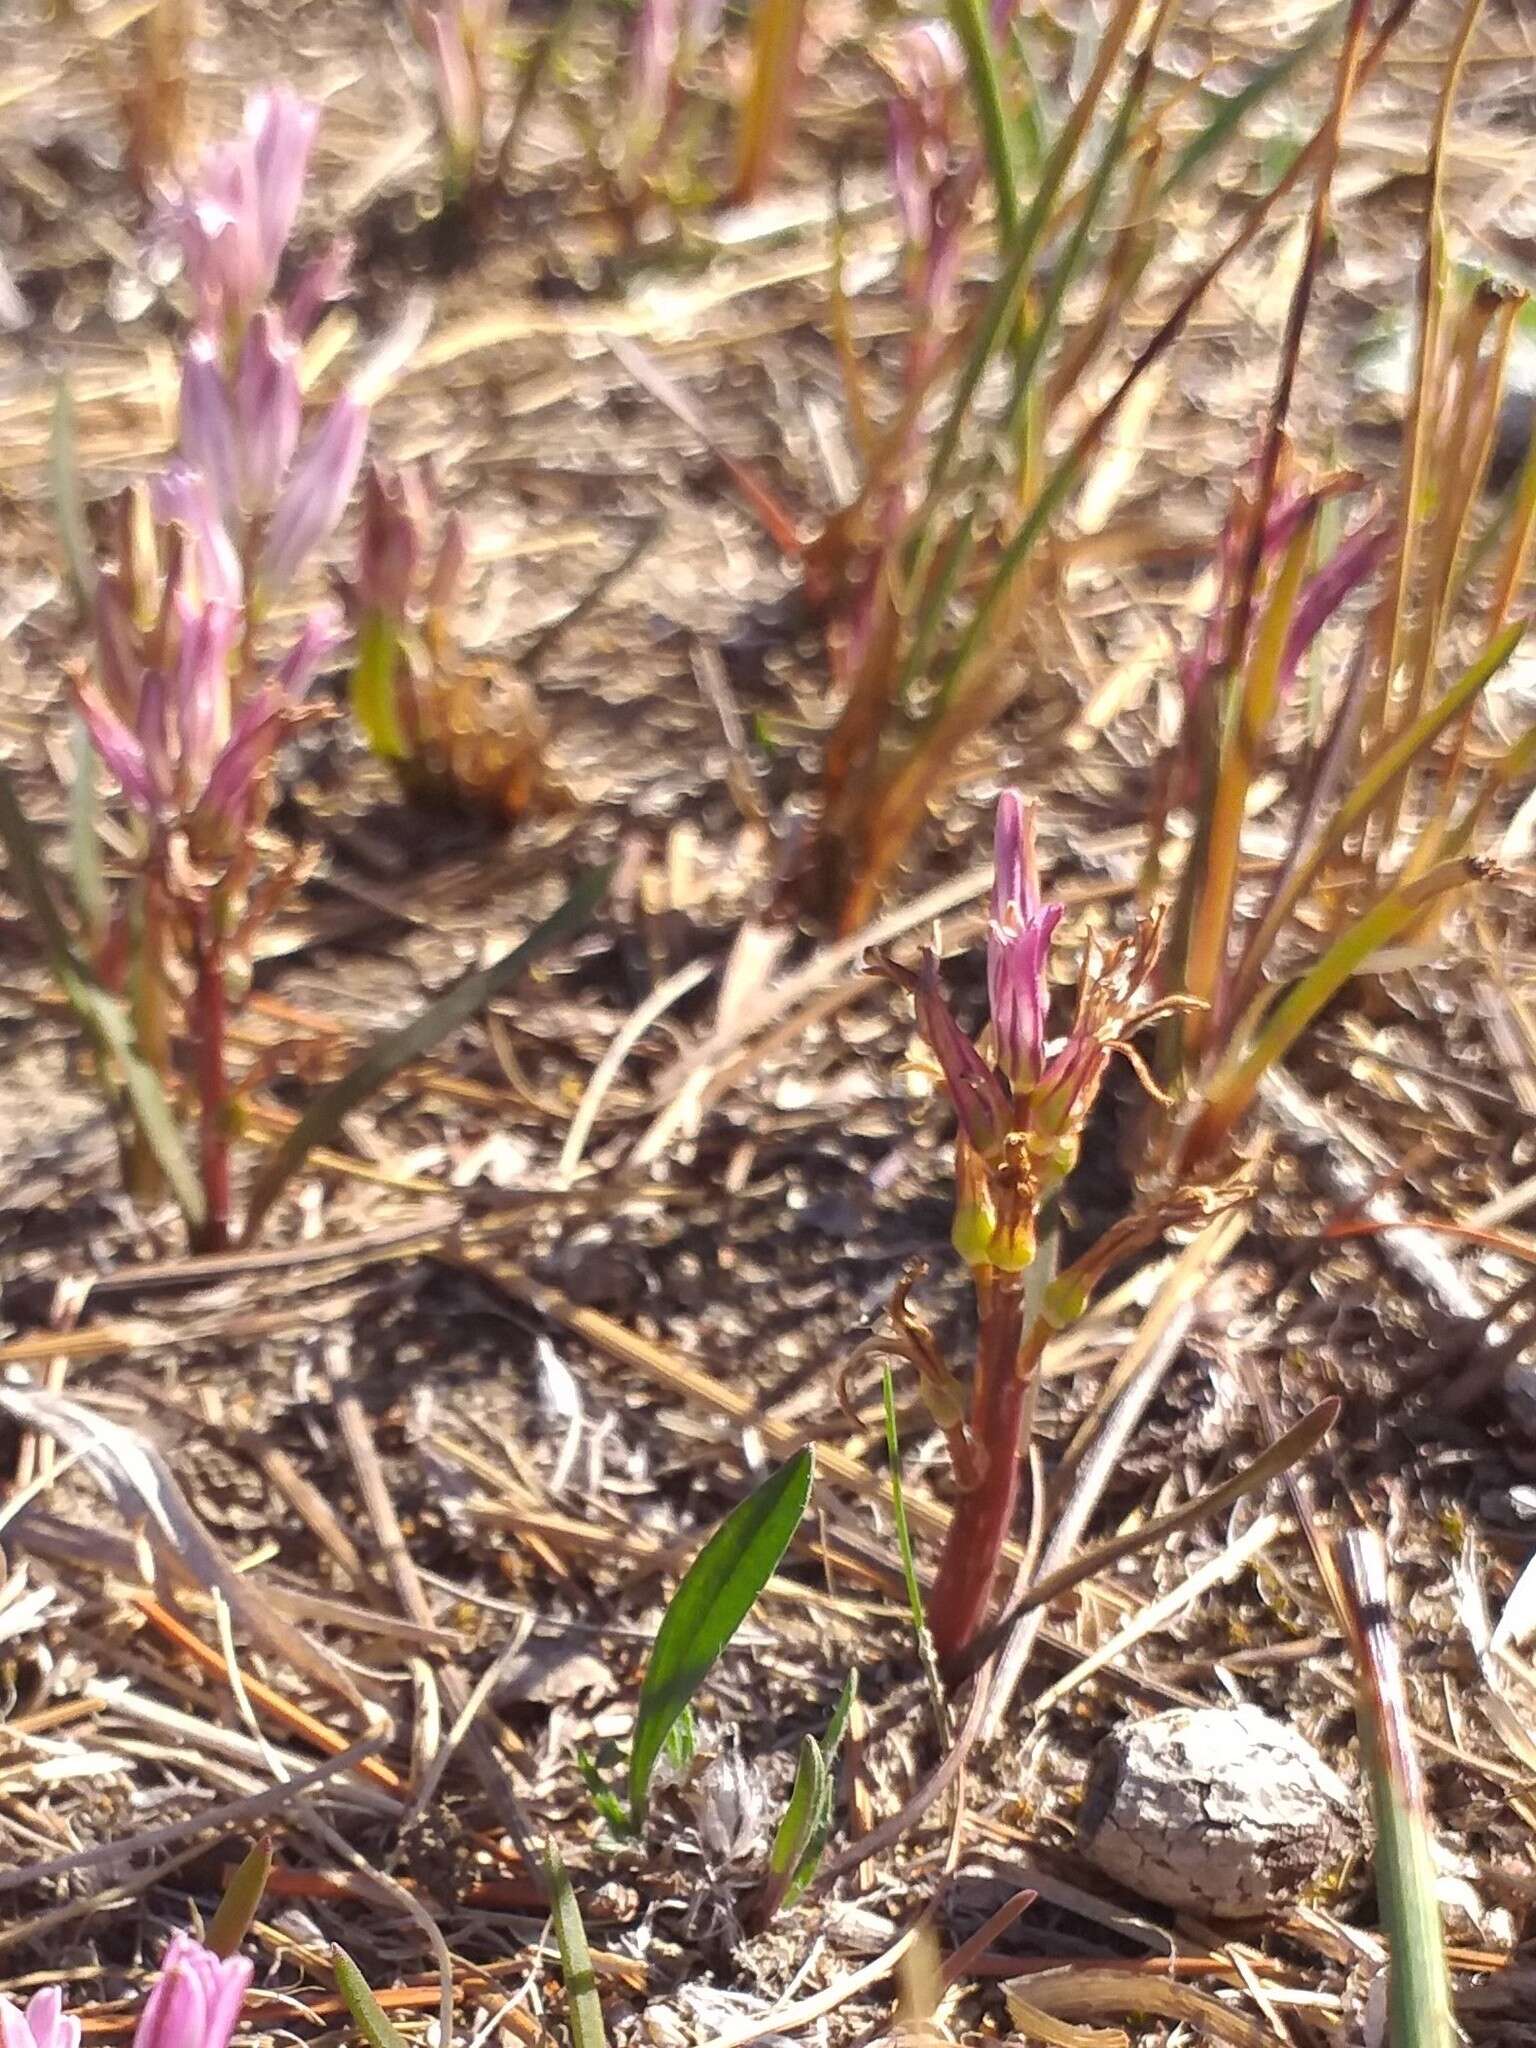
(268, 410)
(126, 762)
(1352, 562)
(281, 127)
(316, 492)
(981, 1102)
(323, 633)
(1018, 942)
(208, 421)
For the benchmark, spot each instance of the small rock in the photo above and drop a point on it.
(1218, 1811)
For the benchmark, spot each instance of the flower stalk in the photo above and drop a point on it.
(1021, 1102)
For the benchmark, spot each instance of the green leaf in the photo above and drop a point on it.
(802, 1834)
(242, 1896)
(64, 468)
(807, 1797)
(368, 2015)
(102, 1017)
(610, 1806)
(451, 1008)
(715, 1597)
(575, 1960)
(681, 1745)
(373, 688)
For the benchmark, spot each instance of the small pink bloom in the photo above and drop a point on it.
(268, 410)
(125, 759)
(41, 2023)
(208, 434)
(182, 496)
(224, 806)
(281, 127)
(316, 492)
(196, 2001)
(208, 637)
(323, 633)
(318, 285)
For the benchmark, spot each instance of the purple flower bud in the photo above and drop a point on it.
(207, 637)
(197, 2000)
(1018, 941)
(268, 410)
(389, 540)
(183, 497)
(448, 569)
(125, 761)
(316, 492)
(1354, 560)
(981, 1101)
(928, 64)
(41, 2023)
(318, 285)
(281, 127)
(208, 432)
(323, 633)
(224, 807)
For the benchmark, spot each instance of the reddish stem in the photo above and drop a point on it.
(209, 1018)
(962, 1590)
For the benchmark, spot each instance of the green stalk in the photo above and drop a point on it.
(968, 19)
(1419, 2011)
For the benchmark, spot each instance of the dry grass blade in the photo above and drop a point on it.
(137, 1480)
(1087, 1993)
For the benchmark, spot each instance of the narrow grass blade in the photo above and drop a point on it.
(581, 1999)
(925, 1649)
(1234, 108)
(775, 518)
(1419, 2011)
(968, 18)
(242, 1899)
(777, 28)
(1006, 299)
(1376, 780)
(453, 1007)
(368, 2016)
(715, 1596)
(68, 512)
(85, 832)
(102, 1017)
(1230, 1091)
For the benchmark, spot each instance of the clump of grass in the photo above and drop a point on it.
(938, 577)
(1390, 787)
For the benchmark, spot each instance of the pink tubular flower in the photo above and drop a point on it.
(1018, 941)
(316, 491)
(41, 2023)
(235, 217)
(197, 1999)
(183, 496)
(268, 409)
(323, 633)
